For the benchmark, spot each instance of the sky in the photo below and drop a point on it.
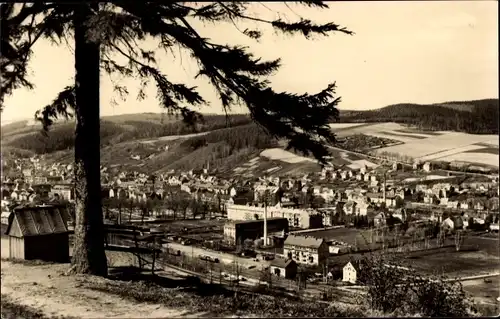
(414, 51)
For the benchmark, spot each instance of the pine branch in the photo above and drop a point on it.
(169, 93)
(306, 27)
(60, 106)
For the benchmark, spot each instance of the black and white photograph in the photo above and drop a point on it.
(282, 159)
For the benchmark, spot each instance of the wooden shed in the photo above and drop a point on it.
(284, 268)
(39, 232)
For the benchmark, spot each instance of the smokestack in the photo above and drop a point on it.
(384, 186)
(265, 218)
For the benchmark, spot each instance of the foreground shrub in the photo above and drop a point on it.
(223, 302)
(398, 290)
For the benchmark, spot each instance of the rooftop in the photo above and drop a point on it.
(235, 222)
(33, 221)
(303, 241)
(281, 263)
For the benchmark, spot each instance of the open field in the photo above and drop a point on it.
(474, 158)
(172, 137)
(397, 135)
(443, 146)
(417, 132)
(374, 128)
(448, 261)
(340, 157)
(285, 156)
(340, 126)
(485, 150)
(265, 166)
(426, 145)
(349, 236)
(446, 153)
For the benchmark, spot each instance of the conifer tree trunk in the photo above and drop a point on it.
(88, 253)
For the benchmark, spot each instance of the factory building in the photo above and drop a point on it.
(239, 230)
(299, 218)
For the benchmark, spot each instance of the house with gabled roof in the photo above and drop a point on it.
(306, 249)
(351, 271)
(39, 232)
(285, 268)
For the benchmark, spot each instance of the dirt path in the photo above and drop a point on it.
(46, 288)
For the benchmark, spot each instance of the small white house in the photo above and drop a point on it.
(427, 167)
(350, 273)
(448, 223)
(494, 227)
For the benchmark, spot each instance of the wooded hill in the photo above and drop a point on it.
(114, 130)
(475, 117)
(228, 142)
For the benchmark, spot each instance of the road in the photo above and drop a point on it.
(312, 291)
(461, 279)
(223, 257)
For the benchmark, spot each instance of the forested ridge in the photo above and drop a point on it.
(153, 130)
(61, 137)
(226, 148)
(221, 148)
(475, 117)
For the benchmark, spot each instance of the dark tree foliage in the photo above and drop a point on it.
(235, 73)
(61, 138)
(103, 31)
(236, 138)
(394, 288)
(209, 123)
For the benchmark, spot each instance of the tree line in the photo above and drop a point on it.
(225, 148)
(61, 137)
(481, 118)
(174, 205)
(209, 123)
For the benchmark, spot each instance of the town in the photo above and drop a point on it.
(247, 159)
(291, 232)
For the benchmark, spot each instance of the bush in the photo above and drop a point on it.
(393, 289)
(221, 303)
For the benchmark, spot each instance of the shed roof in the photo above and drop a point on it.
(270, 219)
(303, 241)
(34, 221)
(281, 263)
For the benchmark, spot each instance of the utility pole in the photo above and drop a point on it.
(266, 199)
(384, 187)
(326, 272)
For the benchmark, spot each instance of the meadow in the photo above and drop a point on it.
(429, 145)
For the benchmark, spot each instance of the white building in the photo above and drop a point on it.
(306, 249)
(350, 273)
(296, 217)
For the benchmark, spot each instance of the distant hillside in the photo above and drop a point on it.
(475, 117)
(222, 149)
(13, 126)
(115, 130)
(152, 142)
